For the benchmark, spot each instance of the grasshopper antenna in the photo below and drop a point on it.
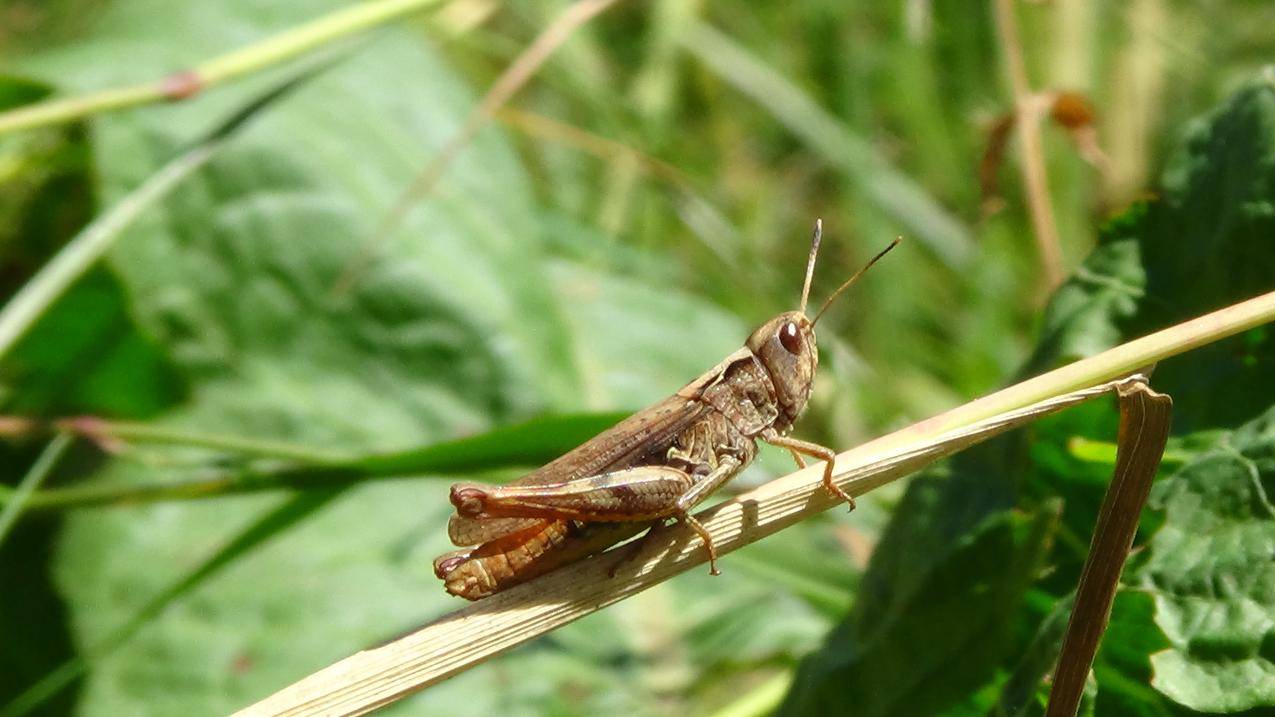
(810, 264)
(851, 280)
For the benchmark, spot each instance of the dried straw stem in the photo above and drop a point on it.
(455, 642)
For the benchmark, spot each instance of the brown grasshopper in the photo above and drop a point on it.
(657, 464)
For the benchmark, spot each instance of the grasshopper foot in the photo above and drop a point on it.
(842, 495)
(835, 490)
(699, 528)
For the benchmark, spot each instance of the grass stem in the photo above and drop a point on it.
(1029, 109)
(218, 70)
(43, 466)
(377, 677)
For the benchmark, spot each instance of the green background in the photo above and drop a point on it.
(545, 278)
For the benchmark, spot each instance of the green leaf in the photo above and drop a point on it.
(530, 443)
(85, 356)
(231, 280)
(1192, 249)
(464, 321)
(522, 445)
(267, 526)
(1203, 243)
(1123, 663)
(925, 637)
(1197, 247)
(1212, 567)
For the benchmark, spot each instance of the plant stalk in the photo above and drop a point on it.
(376, 677)
(1028, 108)
(218, 70)
(40, 470)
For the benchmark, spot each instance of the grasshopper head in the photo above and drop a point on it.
(786, 347)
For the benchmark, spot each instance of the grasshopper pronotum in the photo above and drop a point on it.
(657, 464)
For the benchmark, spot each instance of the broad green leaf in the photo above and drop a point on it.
(1191, 249)
(53, 684)
(464, 321)
(1211, 567)
(1122, 664)
(930, 635)
(1204, 242)
(1199, 245)
(452, 329)
(468, 319)
(85, 356)
(1130, 285)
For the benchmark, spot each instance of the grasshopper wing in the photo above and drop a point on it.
(642, 438)
(514, 549)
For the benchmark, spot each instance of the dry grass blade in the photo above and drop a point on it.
(184, 84)
(1029, 108)
(1144, 429)
(380, 676)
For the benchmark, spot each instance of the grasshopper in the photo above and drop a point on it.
(657, 464)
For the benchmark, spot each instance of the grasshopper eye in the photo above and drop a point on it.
(790, 338)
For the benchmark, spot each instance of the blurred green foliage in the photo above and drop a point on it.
(1153, 266)
(543, 277)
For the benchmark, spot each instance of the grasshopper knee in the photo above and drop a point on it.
(470, 500)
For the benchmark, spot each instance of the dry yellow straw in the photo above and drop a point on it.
(377, 677)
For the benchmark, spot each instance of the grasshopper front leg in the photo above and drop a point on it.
(827, 455)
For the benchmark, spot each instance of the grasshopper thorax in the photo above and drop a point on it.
(786, 348)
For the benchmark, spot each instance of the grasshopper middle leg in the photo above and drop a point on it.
(726, 469)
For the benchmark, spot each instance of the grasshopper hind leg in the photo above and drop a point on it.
(631, 551)
(726, 469)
